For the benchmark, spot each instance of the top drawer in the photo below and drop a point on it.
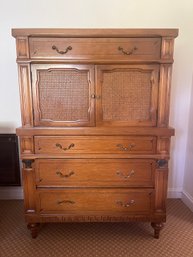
(95, 48)
(94, 144)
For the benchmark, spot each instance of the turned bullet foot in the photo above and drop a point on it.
(34, 228)
(157, 228)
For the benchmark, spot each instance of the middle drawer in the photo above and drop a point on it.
(95, 172)
(95, 144)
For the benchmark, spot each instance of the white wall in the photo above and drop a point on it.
(187, 194)
(104, 14)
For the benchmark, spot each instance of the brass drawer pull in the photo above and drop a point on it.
(129, 52)
(65, 201)
(131, 174)
(126, 204)
(65, 148)
(123, 148)
(60, 174)
(61, 52)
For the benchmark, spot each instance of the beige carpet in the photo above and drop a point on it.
(96, 239)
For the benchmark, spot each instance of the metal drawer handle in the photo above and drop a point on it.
(65, 201)
(126, 205)
(65, 148)
(131, 173)
(129, 52)
(61, 52)
(123, 148)
(61, 175)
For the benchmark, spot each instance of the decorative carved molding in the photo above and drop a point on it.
(163, 145)
(162, 164)
(26, 145)
(28, 163)
(22, 48)
(167, 48)
(93, 218)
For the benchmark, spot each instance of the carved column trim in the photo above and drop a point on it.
(30, 187)
(25, 94)
(161, 177)
(164, 95)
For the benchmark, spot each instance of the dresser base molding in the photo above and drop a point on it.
(35, 227)
(35, 221)
(46, 218)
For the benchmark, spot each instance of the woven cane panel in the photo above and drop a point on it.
(126, 95)
(64, 94)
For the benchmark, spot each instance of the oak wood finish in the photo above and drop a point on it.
(45, 113)
(94, 144)
(142, 111)
(95, 172)
(89, 48)
(36, 131)
(103, 33)
(85, 201)
(95, 135)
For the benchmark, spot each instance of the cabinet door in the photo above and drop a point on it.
(127, 95)
(62, 95)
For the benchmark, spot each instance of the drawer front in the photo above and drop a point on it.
(93, 200)
(95, 48)
(94, 172)
(95, 144)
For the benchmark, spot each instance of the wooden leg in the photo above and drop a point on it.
(157, 228)
(34, 228)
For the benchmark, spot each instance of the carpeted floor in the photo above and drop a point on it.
(96, 239)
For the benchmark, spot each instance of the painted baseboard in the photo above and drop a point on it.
(8, 193)
(11, 193)
(187, 200)
(174, 193)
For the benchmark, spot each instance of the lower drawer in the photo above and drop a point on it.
(82, 201)
(94, 172)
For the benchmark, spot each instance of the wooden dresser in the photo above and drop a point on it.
(95, 140)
